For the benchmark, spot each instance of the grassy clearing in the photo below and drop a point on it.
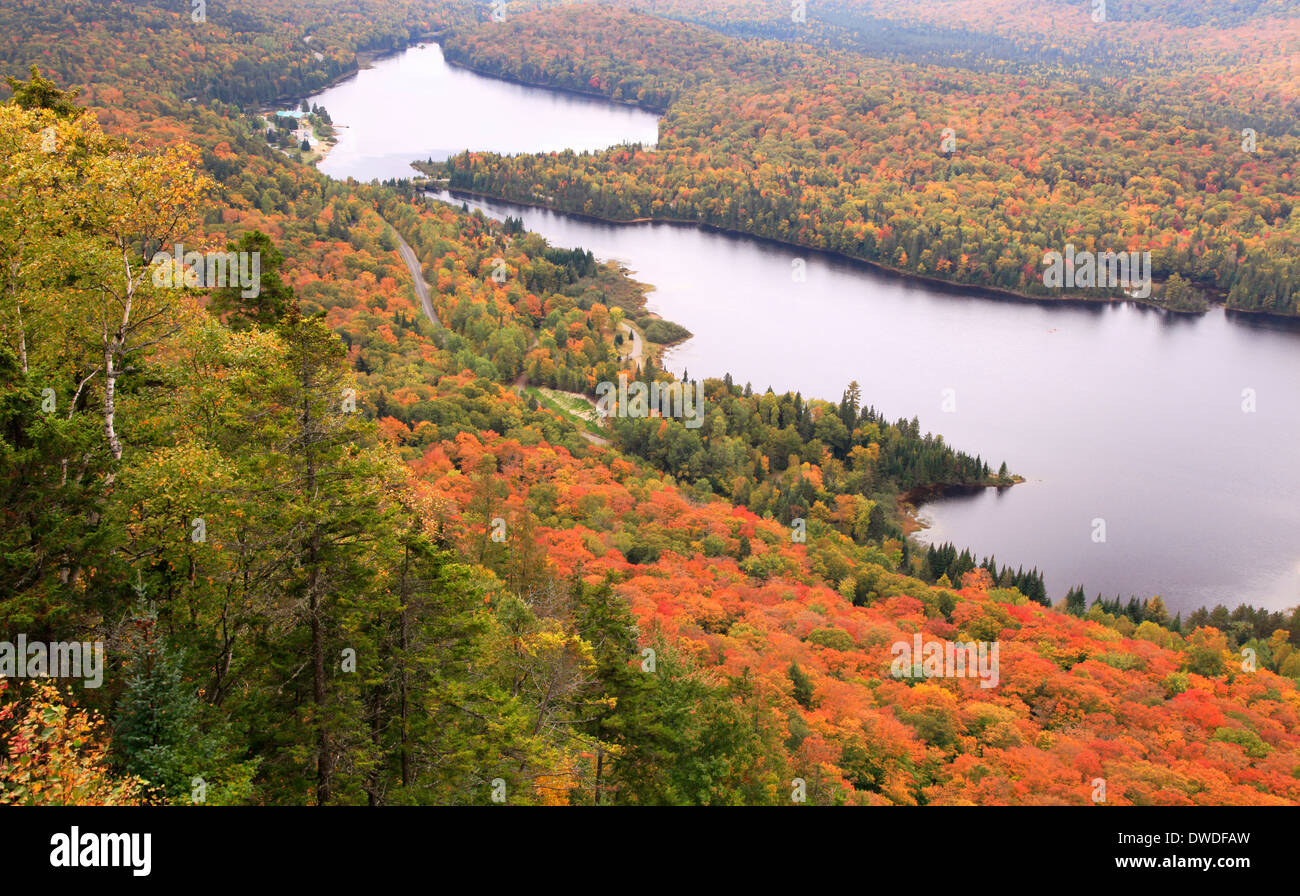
(578, 409)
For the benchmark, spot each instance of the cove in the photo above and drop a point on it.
(415, 106)
(1179, 432)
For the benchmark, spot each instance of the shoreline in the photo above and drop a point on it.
(367, 60)
(989, 291)
(570, 91)
(909, 503)
(924, 494)
(949, 286)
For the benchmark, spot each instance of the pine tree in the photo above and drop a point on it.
(274, 298)
(803, 686)
(160, 735)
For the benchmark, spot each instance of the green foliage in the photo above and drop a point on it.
(273, 299)
(42, 93)
(1153, 163)
(161, 734)
(802, 684)
(1248, 740)
(833, 638)
(1176, 683)
(759, 450)
(323, 642)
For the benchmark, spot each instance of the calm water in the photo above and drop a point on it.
(414, 106)
(1113, 413)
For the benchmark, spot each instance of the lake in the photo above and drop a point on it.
(414, 106)
(1178, 434)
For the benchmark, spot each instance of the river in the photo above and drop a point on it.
(1177, 434)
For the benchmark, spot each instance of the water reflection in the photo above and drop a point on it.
(1116, 412)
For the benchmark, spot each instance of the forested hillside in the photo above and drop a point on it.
(336, 557)
(1224, 61)
(965, 176)
(231, 52)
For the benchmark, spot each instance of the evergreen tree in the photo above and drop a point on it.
(803, 686)
(160, 734)
(274, 298)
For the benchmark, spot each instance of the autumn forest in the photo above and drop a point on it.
(343, 541)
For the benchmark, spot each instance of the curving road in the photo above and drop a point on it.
(417, 274)
(636, 352)
(422, 291)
